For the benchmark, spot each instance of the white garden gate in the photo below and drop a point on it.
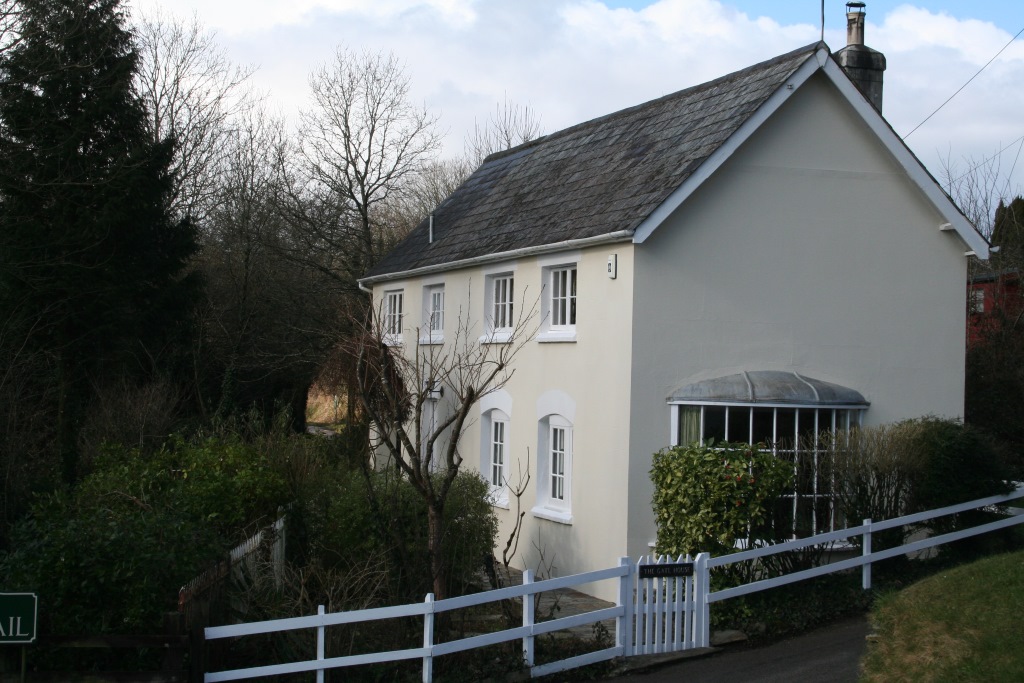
(665, 598)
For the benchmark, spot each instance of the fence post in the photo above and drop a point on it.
(701, 608)
(278, 549)
(624, 624)
(686, 641)
(528, 617)
(865, 571)
(320, 630)
(174, 626)
(428, 639)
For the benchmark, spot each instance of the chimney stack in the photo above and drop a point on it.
(863, 65)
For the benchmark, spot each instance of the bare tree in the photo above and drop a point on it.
(511, 125)
(420, 403)
(268, 320)
(977, 187)
(434, 183)
(361, 144)
(194, 95)
(10, 24)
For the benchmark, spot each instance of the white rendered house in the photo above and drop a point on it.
(757, 257)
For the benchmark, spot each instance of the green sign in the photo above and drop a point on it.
(18, 618)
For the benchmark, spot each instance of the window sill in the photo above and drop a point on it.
(392, 340)
(497, 337)
(560, 516)
(432, 340)
(559, 336)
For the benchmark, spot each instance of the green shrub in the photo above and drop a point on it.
(109, 555)
(874, 469)
(706, 497)
(912, 466)
(105, 569)
(357, 515)
(958, 463)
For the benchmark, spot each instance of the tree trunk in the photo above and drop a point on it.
(435, 528)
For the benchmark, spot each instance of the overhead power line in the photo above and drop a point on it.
(984, 161)
(964, 85)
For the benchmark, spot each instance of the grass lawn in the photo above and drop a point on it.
(960, 625)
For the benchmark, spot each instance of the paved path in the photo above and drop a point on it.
(564, 602)
(828, 655)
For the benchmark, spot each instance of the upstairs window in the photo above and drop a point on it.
(977, 300)
(502, 288)
(563, 297)
(393, 316)
(433, 315)
(499, 309)
(558, 299)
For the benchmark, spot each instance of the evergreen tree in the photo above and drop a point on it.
(1008, 233)
(92, 268)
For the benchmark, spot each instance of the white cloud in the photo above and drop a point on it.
(572, 60)
(233, 17)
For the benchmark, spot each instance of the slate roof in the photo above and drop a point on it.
(596, 178)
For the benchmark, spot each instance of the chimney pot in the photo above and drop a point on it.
(855, 23)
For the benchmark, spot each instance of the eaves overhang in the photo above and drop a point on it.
(367, 283)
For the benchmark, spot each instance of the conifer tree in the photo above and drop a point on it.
(1008, 233)
(92, 268)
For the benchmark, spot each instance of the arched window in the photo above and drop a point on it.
(554, 469)
(495, 451)
(556, 413)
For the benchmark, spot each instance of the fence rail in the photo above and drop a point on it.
(867, 557)
(653, 614)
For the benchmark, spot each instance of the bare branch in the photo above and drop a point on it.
(194, 95)
(510, 126)
(362, 143)
(398, 386)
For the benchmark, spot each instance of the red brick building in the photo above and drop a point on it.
(993, 297)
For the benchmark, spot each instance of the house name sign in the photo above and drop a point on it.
(663, 571)
(18, 618)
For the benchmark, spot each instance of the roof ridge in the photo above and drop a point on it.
(809, 49)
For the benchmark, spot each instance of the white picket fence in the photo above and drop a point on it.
(653, 614)
(241, 555)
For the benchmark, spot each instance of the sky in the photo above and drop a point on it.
(573, 60)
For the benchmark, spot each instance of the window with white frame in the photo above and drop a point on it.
(499, 307)
(393, 315)
(555, 457)
(433, 315)
(499, 429)
(495, 432)
(977, 300)
(563, 297)
(557, 462)
(793, 432)
(558, 300)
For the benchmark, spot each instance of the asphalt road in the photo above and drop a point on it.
(828, 655)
